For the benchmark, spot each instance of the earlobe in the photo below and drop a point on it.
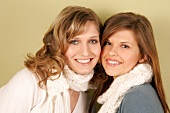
(143, 59)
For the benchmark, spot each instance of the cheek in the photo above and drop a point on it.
(70, 51)
(103, 55)
(67, 57)
(132, 59)
(69, 54)
(104, 52)
(96, 50)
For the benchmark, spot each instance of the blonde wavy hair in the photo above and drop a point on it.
(69, 23)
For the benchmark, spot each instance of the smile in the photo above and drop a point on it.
(113, 62)
(83, 61)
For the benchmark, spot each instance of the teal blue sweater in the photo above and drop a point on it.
(141, 99)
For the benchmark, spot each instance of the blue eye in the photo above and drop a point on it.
(74, 42)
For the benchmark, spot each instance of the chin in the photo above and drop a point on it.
(84, 72)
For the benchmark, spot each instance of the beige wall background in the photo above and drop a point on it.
(24, 22)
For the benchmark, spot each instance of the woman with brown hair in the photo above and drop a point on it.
(57, 76)
(131, 80)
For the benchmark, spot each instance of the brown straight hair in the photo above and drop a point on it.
(143, 32)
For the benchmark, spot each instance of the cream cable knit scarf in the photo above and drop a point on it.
(113, 97)
(58, 89)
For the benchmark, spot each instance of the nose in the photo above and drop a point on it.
(113, 51)
(85, 50)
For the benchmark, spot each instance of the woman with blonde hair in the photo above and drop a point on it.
(56, 78)
(132, 79)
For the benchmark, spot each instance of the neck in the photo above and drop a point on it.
(74, 95)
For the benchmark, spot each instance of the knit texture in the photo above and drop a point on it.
(58, 89)
(113, 97)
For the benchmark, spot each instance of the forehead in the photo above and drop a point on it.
(79, 28)
(88, 30)
(123, 35)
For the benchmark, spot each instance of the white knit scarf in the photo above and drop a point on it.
(58, 89)
(113, 97)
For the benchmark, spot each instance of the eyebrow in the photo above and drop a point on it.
(120, 42)
(127, 42)
(94, 37)
(76, 37)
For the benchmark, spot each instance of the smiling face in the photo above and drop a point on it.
(120, 53)
(84, 50)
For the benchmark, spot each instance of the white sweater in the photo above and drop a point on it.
(23, 95)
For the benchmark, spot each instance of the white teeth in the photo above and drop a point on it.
(113, 62)
(84, 61)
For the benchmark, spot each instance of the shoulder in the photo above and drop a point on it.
(24, 77)
(20, 93)
(22, 82)
(144, 89)
(141, 98)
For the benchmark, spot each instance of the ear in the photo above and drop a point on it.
(143, 59)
